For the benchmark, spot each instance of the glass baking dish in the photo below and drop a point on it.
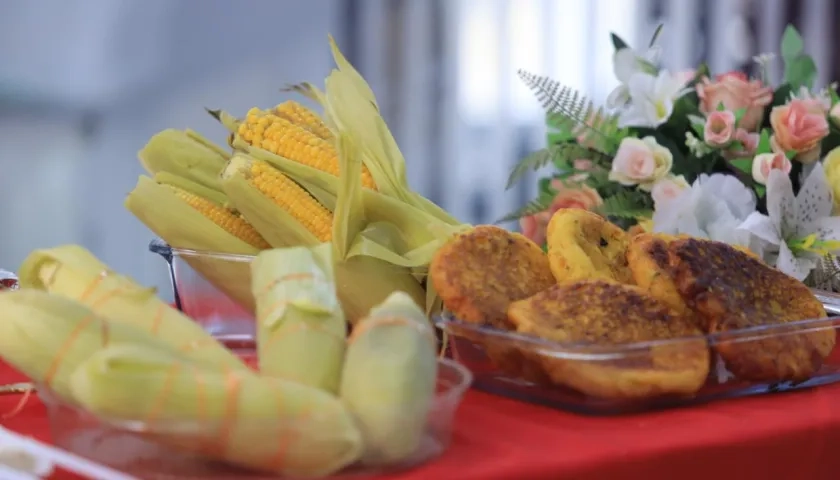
(510, 364)
(132, 447)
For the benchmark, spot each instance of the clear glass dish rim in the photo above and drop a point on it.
(453, 395)
(162, 248)
(602, 353)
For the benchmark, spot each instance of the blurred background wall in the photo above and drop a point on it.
(84, 83)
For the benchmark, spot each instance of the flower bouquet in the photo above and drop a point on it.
(726, 157)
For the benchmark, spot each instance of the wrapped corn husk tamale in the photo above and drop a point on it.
(301, 328)
(257, 422)
(389, 376)
(72, 271)
(46, 336)
(165, 210)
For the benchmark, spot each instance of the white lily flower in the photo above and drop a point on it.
(626, 63)
(712, 208)
(799, 229)
(652, 99)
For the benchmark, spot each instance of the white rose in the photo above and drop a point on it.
(668, 189)
(641, 162)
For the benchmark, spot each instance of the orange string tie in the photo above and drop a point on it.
(285, 442)
(27, 394)
(65, 347)
(233, 387)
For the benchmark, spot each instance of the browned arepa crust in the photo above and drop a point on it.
(731, 290)
(607, 313)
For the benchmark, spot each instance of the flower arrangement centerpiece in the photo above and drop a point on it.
(726, 157)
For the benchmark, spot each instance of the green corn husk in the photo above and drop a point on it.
(73, 272)
(301, 328)
(256, 422)
(181, 226)
(362, 281)
(47, 336)
(184, 154)
(389, 379)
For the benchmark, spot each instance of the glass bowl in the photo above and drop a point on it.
(134, 447)
(515, 365)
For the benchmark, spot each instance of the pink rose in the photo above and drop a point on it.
(764, 163)
(798, 126)
(583, 164)
(582, 196)
(749, 142)
(719, 129)
(735, 92)
(534, 226)
(569, 195)
(668, 189)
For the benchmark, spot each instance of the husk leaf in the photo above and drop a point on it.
(181, 226)
(185, 154)
(166, 178)
(300, 325)
(389, 376)
(47, 336)
(73, 272)
(256, 422)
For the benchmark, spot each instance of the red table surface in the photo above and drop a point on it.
(784, 436)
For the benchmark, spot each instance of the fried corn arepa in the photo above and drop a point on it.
(583, 245)
(649, 263)
(601, 312)
(478, 273)
(731, 290)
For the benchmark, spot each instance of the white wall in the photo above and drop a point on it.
(56, 189)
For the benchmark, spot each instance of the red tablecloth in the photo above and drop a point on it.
(784, 436)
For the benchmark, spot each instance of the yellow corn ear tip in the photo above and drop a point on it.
(304, 117)
(225, 218)
(281, 137)
(291, 197)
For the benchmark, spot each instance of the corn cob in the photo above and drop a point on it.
(286, 194)
(73, 272)
(255, 422)
(227, 218)
(304, 117)
(300, 326)
(362, 281)
(388, 381)
(281, 137)
(47, 336)
(182, 226)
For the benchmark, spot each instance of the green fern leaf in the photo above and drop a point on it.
(562, 156)
(532, 208)
(625, 204)
(556, 98)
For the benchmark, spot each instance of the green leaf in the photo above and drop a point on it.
(562, 156)
(617, 42)
(801, 71)
(625, 204)
(792, 44)
(742, 164)
(532, 162)
(655, 36)
(781, 95)
(834, 97)
(532, 208)
(739, 114)
(760, 190)
(763, 143)
(721, 107)
(790, 154)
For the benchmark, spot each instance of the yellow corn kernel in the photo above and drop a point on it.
(303, 117)
(292, 198)
(225, 218)
(281, 137)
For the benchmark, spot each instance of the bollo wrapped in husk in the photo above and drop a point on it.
(73, 272)
(47, 336)
(301, 329)
(389, 379)
(256, 422)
